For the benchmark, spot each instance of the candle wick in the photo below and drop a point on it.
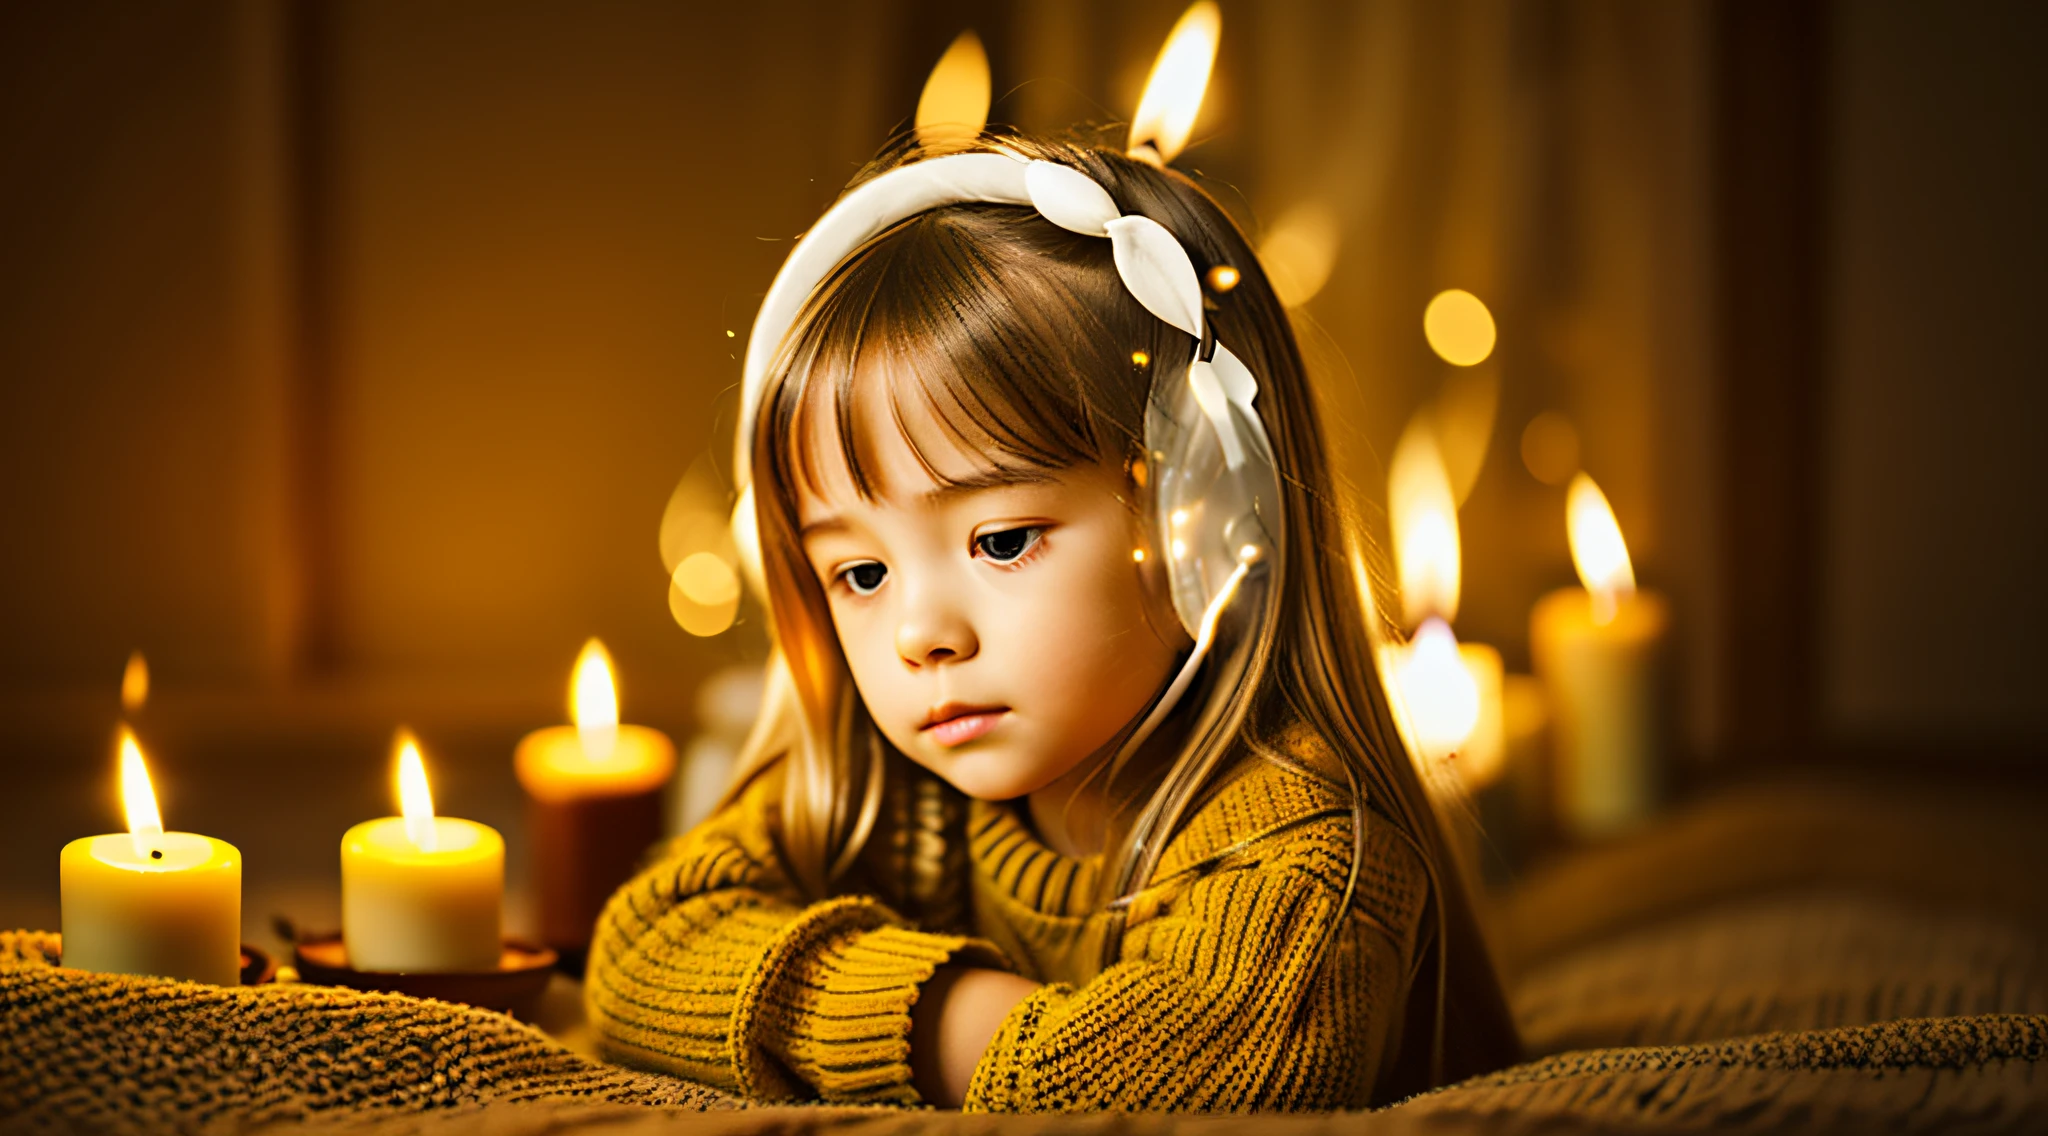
(156, 854)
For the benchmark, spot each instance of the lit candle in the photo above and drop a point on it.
(1599, 651)
(148, 901)
(1449, 693)
(421, 892)
(594, 793)
(1436, 694)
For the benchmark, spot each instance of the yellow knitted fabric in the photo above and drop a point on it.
(709, 966)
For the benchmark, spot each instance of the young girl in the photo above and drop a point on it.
(1076, 787)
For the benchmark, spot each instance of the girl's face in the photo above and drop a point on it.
(998, 628)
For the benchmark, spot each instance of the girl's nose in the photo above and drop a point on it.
(933, 634)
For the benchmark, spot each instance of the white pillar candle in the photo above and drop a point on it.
(422, 893)
(148, 901)
(1599, 650)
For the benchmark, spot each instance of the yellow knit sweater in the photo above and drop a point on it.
(709, 966)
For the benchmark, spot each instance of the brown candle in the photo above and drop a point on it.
(594, 803)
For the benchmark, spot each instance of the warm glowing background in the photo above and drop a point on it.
(352, 351)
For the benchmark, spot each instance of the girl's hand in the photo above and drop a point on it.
(957, 1013)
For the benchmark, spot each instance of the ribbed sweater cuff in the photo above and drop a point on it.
(833, 1009)
(1001, 1082)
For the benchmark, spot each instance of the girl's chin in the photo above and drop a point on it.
(990, 772)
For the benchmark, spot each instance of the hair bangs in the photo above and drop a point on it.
(982, 329)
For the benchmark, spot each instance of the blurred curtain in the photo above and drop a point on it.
(427, 306)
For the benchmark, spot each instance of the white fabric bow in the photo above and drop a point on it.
(1157, 271)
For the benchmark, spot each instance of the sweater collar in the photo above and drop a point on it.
(1021, 867)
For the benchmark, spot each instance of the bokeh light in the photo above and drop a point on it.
(135, 683)
(1550, 448)
(1299, 251)
(704, 594)
(1459, 327)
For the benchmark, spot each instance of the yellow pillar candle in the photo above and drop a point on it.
(422, 893)
(148, 901)
(1599, 651)
(596, 757)
(556, 763)
(1484, 754)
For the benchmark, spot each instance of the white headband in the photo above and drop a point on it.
(1153, 266)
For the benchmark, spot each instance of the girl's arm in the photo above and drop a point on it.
(709, 965)
(1221, 1001)
(956, 1016)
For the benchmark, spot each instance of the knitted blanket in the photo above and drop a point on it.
(113, 1053)
(1804, 960)
(87, 1052)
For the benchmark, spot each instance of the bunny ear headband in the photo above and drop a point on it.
(1215, 492)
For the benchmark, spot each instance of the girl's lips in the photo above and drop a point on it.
(962, 728)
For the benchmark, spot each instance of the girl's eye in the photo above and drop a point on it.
(865, 577)
(1008, 546)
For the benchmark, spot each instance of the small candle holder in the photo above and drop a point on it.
(514, 988)
(258, 968)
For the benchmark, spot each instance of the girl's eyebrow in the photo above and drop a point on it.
(821, 525)
(986, 479)
(939, 495)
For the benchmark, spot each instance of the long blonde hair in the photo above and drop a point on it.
(1021, 339)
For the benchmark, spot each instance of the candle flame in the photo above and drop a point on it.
(1173, 92)
(1423, 511)
(138, 797)
(1438, 692)
(954, 106)
(594, 701)
(415, 802)
(135, 683)
(1598, 551)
